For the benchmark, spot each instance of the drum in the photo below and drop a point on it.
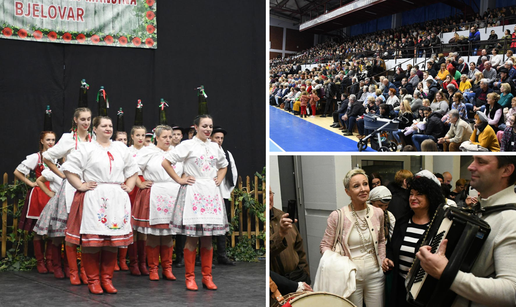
(310, 299)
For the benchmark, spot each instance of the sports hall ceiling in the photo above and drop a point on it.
(303, 10)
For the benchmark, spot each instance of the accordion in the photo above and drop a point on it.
(466, 233)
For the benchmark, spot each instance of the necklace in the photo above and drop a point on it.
(361, 225)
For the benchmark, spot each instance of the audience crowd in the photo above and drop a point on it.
(455, 104)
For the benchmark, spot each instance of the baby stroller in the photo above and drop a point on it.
(378, 125)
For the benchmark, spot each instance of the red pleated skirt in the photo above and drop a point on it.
(73, 228)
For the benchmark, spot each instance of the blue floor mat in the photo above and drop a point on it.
(292, 134)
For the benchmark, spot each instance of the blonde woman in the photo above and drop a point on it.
(363, 239)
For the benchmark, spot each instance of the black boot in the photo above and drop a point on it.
(222, 258)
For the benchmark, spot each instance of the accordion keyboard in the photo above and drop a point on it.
(434, 244)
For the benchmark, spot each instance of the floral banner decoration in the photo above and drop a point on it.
(115, 23)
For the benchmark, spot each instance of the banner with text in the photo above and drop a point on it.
(117, 23)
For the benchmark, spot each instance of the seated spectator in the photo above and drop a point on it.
(512, 111)
(496, 59)
(459, 105)
(370, 109)
(405, 118)
(392, 99)
(416, 103)
(387, 86)
(489, 72)
(413, 79)
(449, 80)
(442, 73)
(434, 128)
(509, 65)
(428, 145)
(354, 110)
(472, 71)
(506, 95)
(450, 91)
(433, 88)
(494, 111)
(483, 136)
(440, 104)
(398, 76)
(464, 85)
(480, 98)
(463, 67)
(460, 131)
(509, 135)
(406, 85)
(504, 78)
(287, 254)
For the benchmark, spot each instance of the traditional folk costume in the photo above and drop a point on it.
(136, 251)
(53, 218)
(199, 209)
(34, 203)
(101, 217)
(154, 206)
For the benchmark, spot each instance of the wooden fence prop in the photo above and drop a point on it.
(259, 195)
(250, 223)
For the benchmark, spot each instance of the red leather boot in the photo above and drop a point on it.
(56, 261)
(48, 257)
(189, 257)
(122, 254)
(133, 260)
(206, 262)
(90, 263)
(153, 262)
(142, 256)
(166, 262)
(40, 259)
(107, 267)
(71, 257)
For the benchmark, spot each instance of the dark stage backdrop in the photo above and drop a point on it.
(219, 44)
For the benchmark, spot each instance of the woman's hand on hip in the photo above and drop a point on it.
(189, 180)
(87, 186)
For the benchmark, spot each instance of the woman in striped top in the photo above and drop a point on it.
(425, 197)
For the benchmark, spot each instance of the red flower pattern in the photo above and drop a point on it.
(150, 29)
(150, 15)
(52, 36)
(67, 37)
(7, 32)
(22, 33)
(108, 39)
(37, 34)
(149, 42)
(81, 38)
(122, 40)
(150, 2)
(137, 42)
(95, 39)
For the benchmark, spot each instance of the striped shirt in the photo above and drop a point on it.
(409, 246)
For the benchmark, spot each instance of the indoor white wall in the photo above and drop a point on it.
(274, 181)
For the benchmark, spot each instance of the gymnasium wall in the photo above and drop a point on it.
(221, 46)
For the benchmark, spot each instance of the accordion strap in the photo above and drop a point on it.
(493, 209)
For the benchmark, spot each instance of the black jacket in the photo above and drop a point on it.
(432, 90)
(355, 109)
(434, 125)
(393, 253)
(399, 204)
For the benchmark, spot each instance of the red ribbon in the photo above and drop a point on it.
(104, 94)
(110, 159)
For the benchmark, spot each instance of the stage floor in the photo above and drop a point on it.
(290, 133)
(240, 285)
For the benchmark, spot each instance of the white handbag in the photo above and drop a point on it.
(336, 273)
